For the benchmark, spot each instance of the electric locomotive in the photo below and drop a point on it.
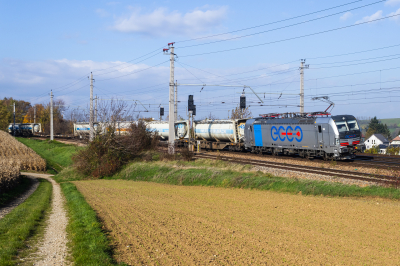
(308, 135)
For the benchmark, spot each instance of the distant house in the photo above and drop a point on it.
(395, 141)
(375, 140)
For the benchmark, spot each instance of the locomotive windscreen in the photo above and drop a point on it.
(344, 126)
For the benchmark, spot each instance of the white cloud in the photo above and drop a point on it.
(160, 22)
(395, 13)
(376, 15)
(392, 2)
(346, 15)
(102, 13)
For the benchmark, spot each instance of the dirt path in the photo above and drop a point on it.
(52, 249)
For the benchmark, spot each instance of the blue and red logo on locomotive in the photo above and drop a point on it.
(287, 133)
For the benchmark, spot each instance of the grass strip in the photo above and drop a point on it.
(89, 244)
(207, 173)
(8, 196)
(57, 155)
(17, 226)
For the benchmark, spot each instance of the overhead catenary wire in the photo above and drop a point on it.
(291, 38)
(131, 73)
(266, 24)
(279, 28)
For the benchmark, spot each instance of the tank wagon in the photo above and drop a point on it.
(162, 127)
(220, 134)
(82, 129)
(309, 135)
(25, 129)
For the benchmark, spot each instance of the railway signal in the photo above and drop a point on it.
(161, 112)
(242, 104)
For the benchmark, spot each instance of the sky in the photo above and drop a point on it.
(352, 49)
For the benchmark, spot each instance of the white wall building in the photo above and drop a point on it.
(395, 141)
(375, 140)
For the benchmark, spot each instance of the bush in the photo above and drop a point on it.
(373, 150)
(186, 154)
(107, 153)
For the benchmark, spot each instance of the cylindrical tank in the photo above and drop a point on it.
(83, 128)
(123, 127)
(162, 127)
(223, 130)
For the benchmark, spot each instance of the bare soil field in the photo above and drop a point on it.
(157, 224)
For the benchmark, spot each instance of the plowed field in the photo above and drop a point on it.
(156, 224)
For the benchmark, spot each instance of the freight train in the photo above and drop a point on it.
(308, 135)
(24, 129)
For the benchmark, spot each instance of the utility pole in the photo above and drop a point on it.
(34, 114)
(51, 116)
(14, 121)
(95, 111)
(91, 109)
(176, 101)
(171, 134)
(302, 67)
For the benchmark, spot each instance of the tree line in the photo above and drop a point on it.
(24, 113)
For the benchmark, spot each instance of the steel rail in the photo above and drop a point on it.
(380, 179)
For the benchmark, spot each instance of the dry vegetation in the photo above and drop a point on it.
(15, 156)
(156, 224)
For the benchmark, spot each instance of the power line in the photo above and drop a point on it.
(270, 23)
(126, 66)
(157, 50)
(355, 60)
(357, 63)
(320, 57)
(280, 28)
(135, 71)
(292, 38)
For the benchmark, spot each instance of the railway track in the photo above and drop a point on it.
(379, 179)
(360, 161)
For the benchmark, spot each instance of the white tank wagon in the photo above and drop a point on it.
(124, 127)
(12, 127)
(218, 134)
(83, 128)
(29, 129)
(162, 127)
(25, 129)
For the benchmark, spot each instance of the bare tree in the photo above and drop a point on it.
(210, 116)
(237, 113)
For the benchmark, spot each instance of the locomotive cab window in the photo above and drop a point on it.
(352, 124)
(341, 126)
(319, 129)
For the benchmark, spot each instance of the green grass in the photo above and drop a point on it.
(21, 223)
(11, 194)
(224, 174)
(57, 155)
(89, 245)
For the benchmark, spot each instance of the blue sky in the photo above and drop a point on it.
(55, 45)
